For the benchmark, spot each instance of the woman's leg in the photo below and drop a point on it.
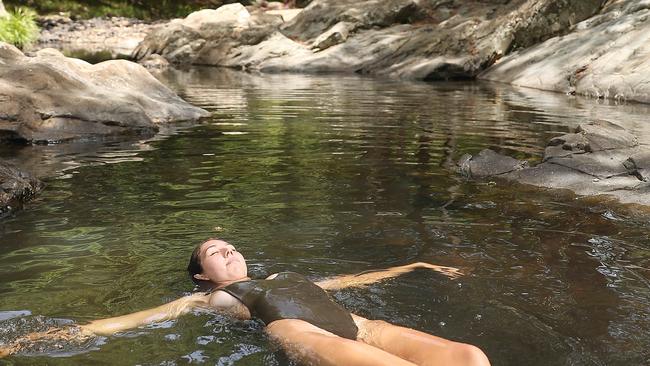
(311, 345)
(420, 348)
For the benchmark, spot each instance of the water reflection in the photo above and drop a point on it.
(330, 175)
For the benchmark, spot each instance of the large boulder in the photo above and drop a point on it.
(209, 37)
(598, 158)
(16, 187)
(400, 38)
(605, 56)
(50, 97)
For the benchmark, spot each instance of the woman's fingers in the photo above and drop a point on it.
(5, 351)
(451, 272)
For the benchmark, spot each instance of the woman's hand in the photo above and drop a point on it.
(450, 272)
(72, 333)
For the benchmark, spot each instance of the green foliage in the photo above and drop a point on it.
(142, 9)
(19, 27)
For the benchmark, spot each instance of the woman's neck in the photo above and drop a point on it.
(223, 284)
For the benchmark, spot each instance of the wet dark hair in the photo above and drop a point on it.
(195, 267)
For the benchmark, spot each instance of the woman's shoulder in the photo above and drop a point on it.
(224, 301)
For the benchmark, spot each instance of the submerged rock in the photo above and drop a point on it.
(51, 98)
(599, 158)
(16, 187)
(605, 56)
(402, 38)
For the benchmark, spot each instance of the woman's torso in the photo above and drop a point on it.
(289, 295)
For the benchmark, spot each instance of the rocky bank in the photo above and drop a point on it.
(605, 56)
(422, 39)
(52, 98)
(597, 48)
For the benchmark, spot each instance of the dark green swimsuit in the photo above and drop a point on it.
(292, 296)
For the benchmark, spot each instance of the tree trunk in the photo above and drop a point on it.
(3, 11)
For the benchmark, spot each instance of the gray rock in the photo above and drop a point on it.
(16, 187)
(600, 158)
(638, 165)
(154, 62)
(600, 164)
(605, 56)
(429, 40)
(286, 14)
(50, 97)
(337, 34)
(561, 177)
(488, 163)
(321, 15)
(209, 40)
(591, 137)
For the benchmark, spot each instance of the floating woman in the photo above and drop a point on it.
(310, 327)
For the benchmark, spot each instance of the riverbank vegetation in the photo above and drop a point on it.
(18, 27)
(141, 9)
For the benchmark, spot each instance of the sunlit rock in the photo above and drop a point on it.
(231, 14)
(605, 56)
(50, 97)
(399, 38)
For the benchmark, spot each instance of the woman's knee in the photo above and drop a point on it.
(468, 354)
(369, 331)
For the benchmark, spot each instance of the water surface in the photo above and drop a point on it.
(331, 175)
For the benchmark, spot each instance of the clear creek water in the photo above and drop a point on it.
(327, 175)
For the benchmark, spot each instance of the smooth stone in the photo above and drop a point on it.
(488, 163)
(52, 98)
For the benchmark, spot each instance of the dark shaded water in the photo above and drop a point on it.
(332, 175)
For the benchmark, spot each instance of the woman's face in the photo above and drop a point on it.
(221, 262)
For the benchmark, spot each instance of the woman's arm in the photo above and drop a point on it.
(366, 278)
(218, 300)
(169, 311)
(109, 326)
